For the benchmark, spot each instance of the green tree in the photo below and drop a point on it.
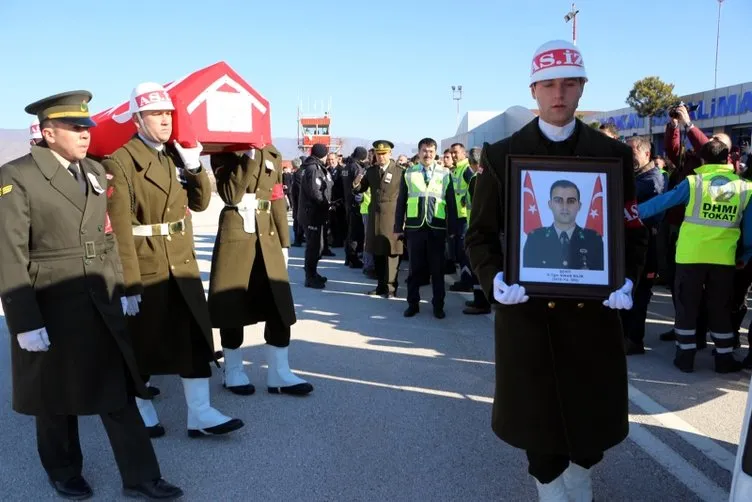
(651, 96)
(595, 124)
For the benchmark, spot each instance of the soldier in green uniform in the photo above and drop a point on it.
(154, 187)
(383, 178)
(564, 244)
(61, 290)
(249, 281)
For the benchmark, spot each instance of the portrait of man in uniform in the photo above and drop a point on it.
(564, 244)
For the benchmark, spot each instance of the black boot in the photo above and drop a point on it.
(314, 282)
(685, 359)
(725, 363)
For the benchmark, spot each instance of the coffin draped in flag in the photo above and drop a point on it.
(213, 105)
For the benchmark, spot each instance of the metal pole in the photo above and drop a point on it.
(572, 16)
(717, 42)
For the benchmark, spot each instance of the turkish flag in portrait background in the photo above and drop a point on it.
(595, 213)
(532, 218)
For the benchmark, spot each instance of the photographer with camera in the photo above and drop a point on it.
(685, 163)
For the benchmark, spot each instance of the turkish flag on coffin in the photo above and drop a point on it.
(213, 105)
(595, 213)
(531, 220)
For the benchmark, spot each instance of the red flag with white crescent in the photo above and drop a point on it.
(595, 213)
(532, 215)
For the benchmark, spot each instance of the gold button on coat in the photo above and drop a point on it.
(551, 305)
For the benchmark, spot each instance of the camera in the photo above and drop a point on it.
(672, 110)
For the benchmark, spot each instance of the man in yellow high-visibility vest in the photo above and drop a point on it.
(717, 213)
(426, 211)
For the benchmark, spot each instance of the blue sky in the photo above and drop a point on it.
(387, 66)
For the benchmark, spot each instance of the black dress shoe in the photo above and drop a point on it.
(321, 277)
(156, 431)
(438, 313)
(232, 425)
(411, 310)
(159, 489)
(75, 488)
(300, 389)
(377, 292)
(632, 348)
(241, 390)
(154, 391)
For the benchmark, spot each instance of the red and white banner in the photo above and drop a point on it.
(213, 105)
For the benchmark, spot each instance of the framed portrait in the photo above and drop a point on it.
(564, 228)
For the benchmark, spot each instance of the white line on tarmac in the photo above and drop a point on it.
(696, 438)
(682, 470)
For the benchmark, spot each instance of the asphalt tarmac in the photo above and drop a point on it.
(401, 411)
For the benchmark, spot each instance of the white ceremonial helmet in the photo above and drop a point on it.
(149, 96)
(35, 132)
(557, 59)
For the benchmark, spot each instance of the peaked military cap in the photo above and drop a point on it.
(382, 146)
(71, 107)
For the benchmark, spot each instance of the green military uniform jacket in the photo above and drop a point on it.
(145, 190)
(249, 278)
(60, 271)
(382, 209)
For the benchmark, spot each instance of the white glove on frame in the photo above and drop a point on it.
(621, 299)
(34, 341)
(190, 156)
(286, 254)
(508, 295)
(130, 306)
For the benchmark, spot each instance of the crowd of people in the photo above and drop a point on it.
(366, 204)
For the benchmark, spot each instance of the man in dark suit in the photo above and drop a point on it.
(564, 244)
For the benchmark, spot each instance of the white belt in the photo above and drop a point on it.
(159, 228)
(247, 210)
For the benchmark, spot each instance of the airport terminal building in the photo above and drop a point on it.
(727, 109)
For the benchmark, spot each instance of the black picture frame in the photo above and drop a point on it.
(610, 170)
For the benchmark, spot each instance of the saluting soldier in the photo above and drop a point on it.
(249, 282)
(561, 371)
(383, 178)
(154, 187)
(61, 290)
(564, 244)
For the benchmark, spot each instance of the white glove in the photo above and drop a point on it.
(286, 254)
(190, 156)
(34, 341)
(132, 305)
(124, 303)
(508, 295)
(621, 298)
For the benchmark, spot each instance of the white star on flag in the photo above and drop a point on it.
(594, 213)
(532, 209)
